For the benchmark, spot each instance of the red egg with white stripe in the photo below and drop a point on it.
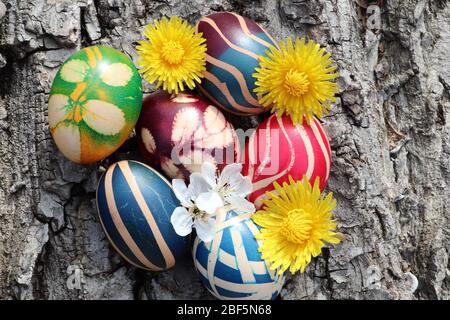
(278, 148)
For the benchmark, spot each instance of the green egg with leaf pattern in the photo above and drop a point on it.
(94, 103)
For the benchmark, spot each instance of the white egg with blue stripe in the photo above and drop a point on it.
(135, 204)
(230, 266)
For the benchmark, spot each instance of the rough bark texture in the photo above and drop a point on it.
(389, 131)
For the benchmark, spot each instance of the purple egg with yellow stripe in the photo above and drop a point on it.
(135, 204)
(234, 44)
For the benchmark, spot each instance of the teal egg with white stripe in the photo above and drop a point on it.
(135, 204)
(230, 266)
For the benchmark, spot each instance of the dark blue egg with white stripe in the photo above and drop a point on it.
(234, 45)
(230, 266)
(135, 204)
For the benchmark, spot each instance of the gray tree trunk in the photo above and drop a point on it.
(389, 131)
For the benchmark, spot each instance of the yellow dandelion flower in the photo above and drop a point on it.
(173, 56)
(295, 80)
(295, 222)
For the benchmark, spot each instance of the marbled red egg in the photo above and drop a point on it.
(177, 133)
(278, 148)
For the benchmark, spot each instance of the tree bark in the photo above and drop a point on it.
(389, 132)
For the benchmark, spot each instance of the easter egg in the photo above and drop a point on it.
(278, 148)
(135, 204)
(177, 133)
(94, 103)
(234, 44)
(230, 266)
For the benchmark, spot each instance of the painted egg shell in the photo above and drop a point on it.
(233, 46)
(94, 103)
(278, 148)
(230, 266)
(134, 205)
(179, 132)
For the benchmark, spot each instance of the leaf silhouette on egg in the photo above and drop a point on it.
(218, 133)
(149, 140)
(185, 124)
(74, 71)
(103, 117)
(214, 120)
(58, 105)
(67, 138)
(116, 75)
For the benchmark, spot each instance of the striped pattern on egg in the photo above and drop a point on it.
(230, 266)
(278, 148)
(234, 44)
(135, 204)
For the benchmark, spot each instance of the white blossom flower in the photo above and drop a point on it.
(188, 215)
(230, 186)
(206, 194)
